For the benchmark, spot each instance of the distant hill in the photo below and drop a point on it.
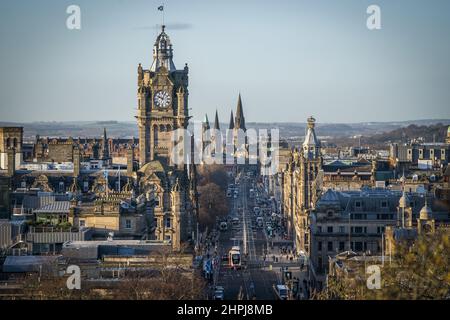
(433, 133)
(339, 133)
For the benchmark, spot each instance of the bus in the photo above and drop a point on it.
(234, 259)
(260, 222)
(223, 226)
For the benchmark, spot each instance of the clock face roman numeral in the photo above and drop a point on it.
(162, 99)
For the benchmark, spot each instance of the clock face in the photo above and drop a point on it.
(162, 99)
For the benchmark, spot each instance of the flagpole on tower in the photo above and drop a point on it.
(161, 8)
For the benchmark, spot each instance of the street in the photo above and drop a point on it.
(261, 263)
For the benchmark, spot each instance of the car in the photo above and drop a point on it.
(219, 293)
(282, 292)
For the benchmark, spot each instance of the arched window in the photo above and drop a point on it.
(155, 135)
(8, 143)
(162, 128)
(169, 128)
(16, 144)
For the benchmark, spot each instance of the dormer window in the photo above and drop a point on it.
(330, 213)
(358, 204)
(384, 204)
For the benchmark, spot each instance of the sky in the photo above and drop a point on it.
(289, 59)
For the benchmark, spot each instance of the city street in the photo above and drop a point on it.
(259, 273)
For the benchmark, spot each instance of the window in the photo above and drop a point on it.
(330, 246)
(168, 223)
(341, 246)
(85, 186)
(82, 223)
(128, 224)
(357, 229)
(358, 246)
(319, 229)
(330, 214)
(61, 187)
(358, 204)
(23, 184)
(380, 230)
(167, 237)
(384, 204)
(341, 229)
(330, 229)
(319, 246)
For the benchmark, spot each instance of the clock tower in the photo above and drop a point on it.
(162, 102)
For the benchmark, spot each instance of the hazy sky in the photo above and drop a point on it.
(289, 59)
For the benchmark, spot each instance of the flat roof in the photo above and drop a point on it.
(96, 243)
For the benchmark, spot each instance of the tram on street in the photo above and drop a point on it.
(234, 257)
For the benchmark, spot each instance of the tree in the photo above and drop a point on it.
(213, 174)
(213, 203)
(417, 272)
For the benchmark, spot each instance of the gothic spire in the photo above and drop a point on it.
(216, 122)
(240, 120)
(206, 122)
(105, 143)
(231, 127)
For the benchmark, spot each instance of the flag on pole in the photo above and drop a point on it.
(161, 8)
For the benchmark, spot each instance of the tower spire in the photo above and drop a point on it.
(216, 122)
(240, 120)
(231, 126)
(105, 150)
(206, 122)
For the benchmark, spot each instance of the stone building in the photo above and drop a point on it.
(356, 221)
(416, 155)
(163, 108)
(162, 102)
(11, 138)
(301, 188)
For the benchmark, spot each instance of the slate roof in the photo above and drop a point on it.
(55, 207)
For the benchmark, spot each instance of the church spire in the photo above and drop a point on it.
(206, 122)
(240, 120)
(216, 122)
(105, 150)
(231, 126)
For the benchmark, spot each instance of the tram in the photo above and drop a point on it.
(234, 258)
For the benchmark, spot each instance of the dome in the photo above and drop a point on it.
(425, 212)
(403, 202)
(162, 53)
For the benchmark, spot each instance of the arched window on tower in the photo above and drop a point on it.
(155, 135)
(16, 144)
(162, 128)
(169, 128)
(8, 143)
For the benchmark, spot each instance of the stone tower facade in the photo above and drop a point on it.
(162, 102)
